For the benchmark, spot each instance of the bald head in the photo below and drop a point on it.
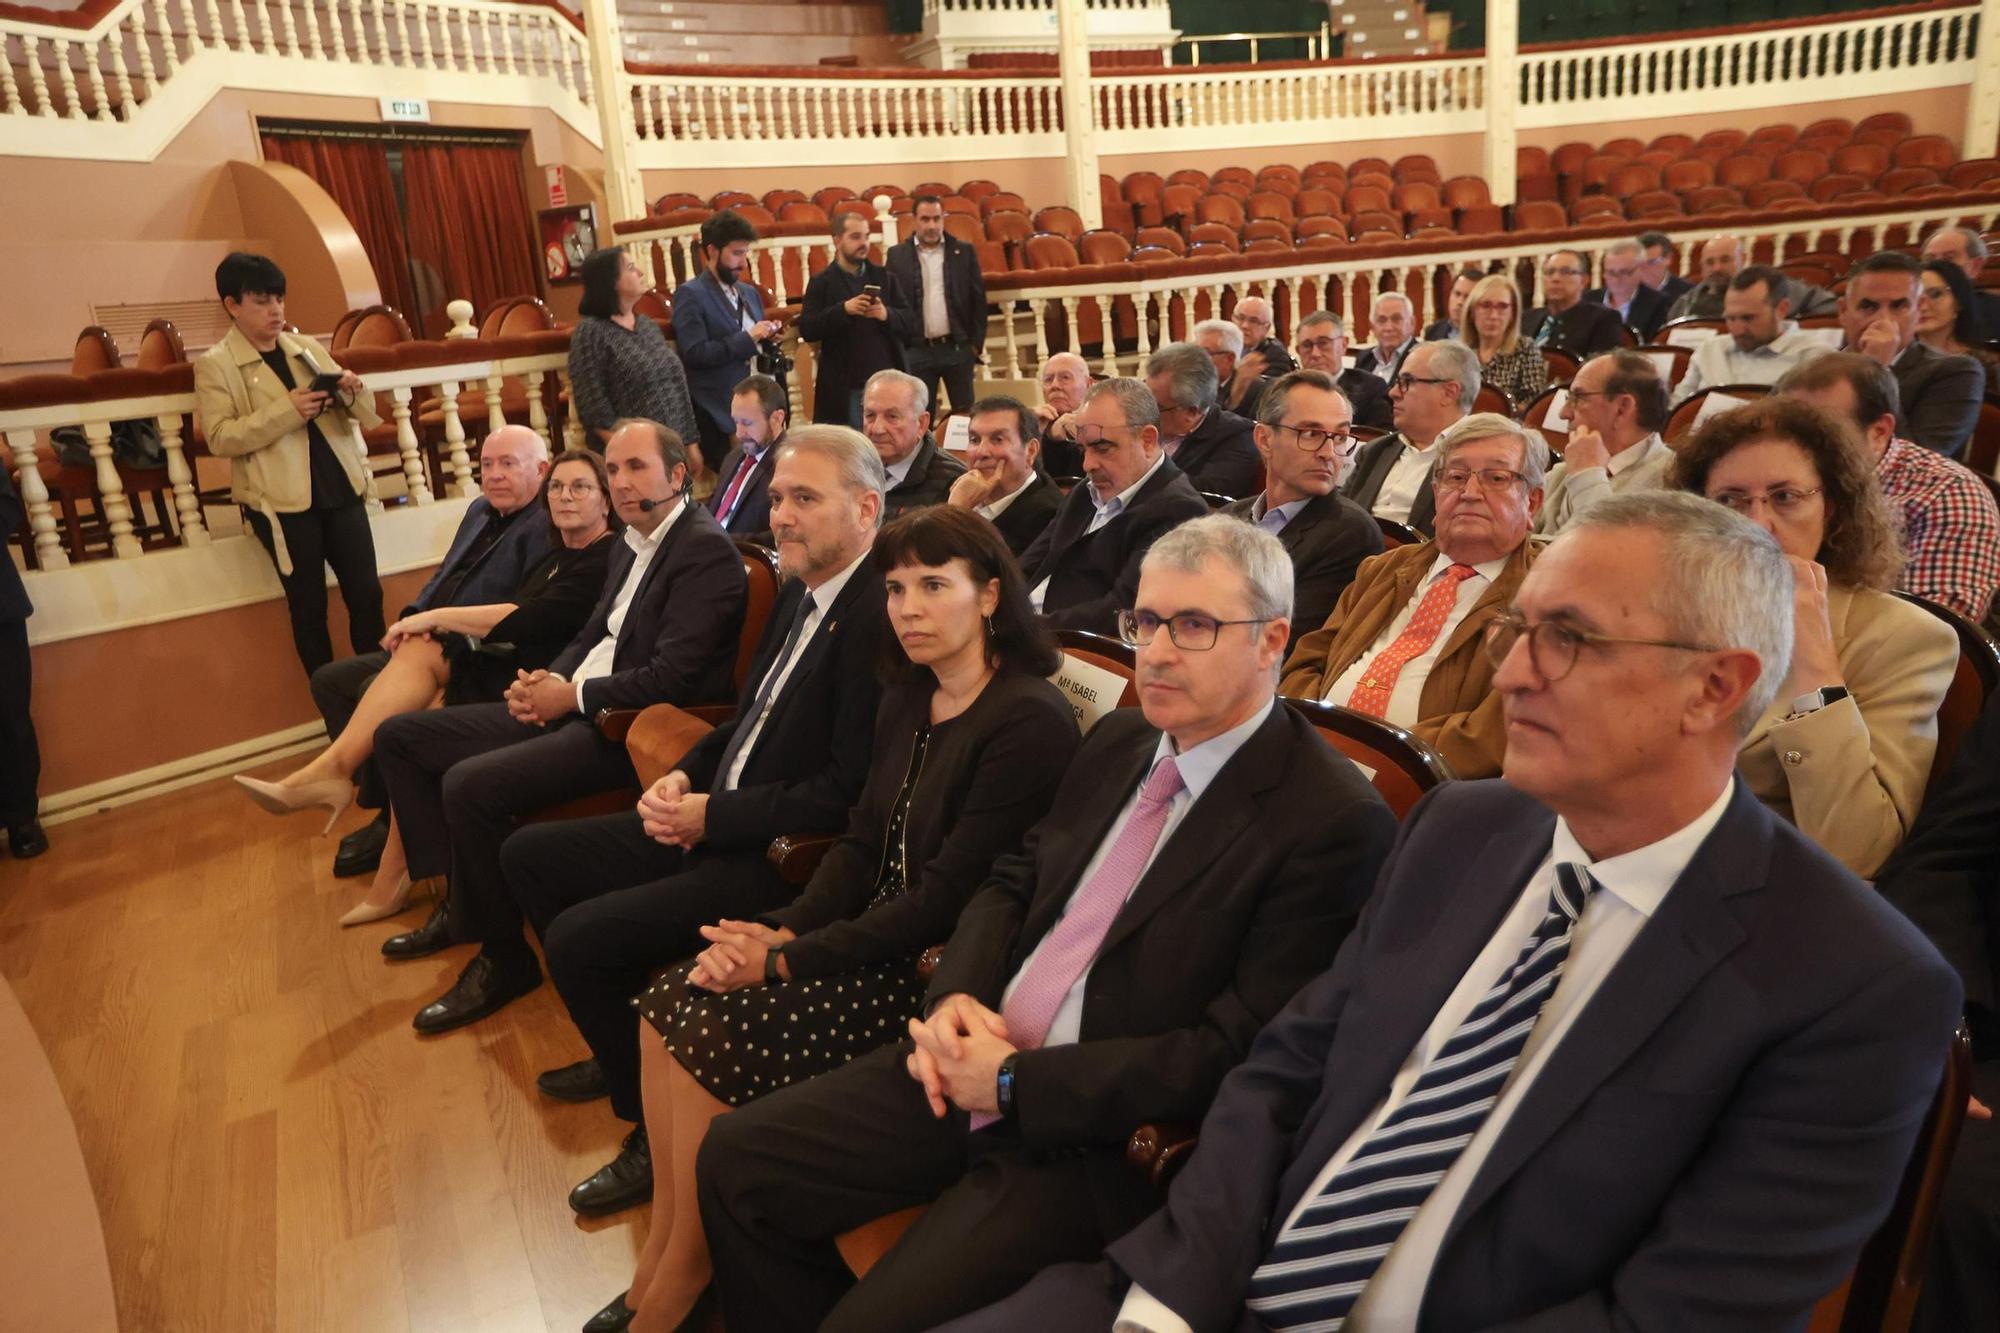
(1065, 381)
(512, 463)
(1720, 258)
(1253, 316)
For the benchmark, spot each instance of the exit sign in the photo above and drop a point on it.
(406, 108)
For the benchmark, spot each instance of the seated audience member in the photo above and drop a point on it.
(1222, 342)
(1760, 342)
(1966, 249)
(621, 366)
(1948, 318)
(1403, 642)
(1304, 442)
(1639, 307)
(896, 419)
(1656, 266)
(20, 752)
(1946, 878)
(970, 743)
(1205, 853)
(1721, 258)
(1453, 322)
(1207, 441)
(759, 410)
(1391, 1157)
(1617, 408)
(1393, 321)
(1949, 525)
(1391, 479)
(664, 630)
(465, 654)
(1084, 568)
(1565, 321)
(619, 895)
(1323, 347)
(1003, 485)
(1845, 749)
(1940, 394)
(860, 317)
(1065, 379)
(718, 322)
(1507, 361)
(504, 534)
(1264, 356)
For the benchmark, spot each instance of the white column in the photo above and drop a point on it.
(1079, 118)
(1982, 106)
(1503, 76)
(624, 192)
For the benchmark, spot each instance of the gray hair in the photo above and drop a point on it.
(1404, 297)
(1625, 248)
(1135, 400)
(538, 449)
(1253, 553)
(861, 469)
(1323, 317)
(1232, 337)
(1455, 361)
(1191, 375)
(1491, 425)
(919, 395)
(1975, 244)
(1724, 581)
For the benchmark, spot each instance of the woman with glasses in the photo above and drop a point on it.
(1492, 329)
(1846, 749)
(1948, 316)
(465, 654)
(970, 742)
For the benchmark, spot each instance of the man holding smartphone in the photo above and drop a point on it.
(860, 316)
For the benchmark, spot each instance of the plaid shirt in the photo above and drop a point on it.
(1950, 527)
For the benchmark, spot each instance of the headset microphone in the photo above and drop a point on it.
(648, 506)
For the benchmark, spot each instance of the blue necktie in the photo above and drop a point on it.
(747, 722)
(1324, 1258)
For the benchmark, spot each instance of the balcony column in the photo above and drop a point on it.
(1079, 117)
(1982, 104)
(1503, 94)
(624, 191)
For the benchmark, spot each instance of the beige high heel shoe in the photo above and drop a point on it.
(336, 794)
(364, 911)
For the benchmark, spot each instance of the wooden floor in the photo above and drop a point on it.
(270, 1144)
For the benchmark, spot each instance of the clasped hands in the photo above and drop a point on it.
(536, 698)
(958, 1055)
(671, 813)
(735, 956)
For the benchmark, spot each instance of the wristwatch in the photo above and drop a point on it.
(1003, 1087)
(771, 974)
(1811, 703)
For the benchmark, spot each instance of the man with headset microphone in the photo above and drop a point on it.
(664, 630)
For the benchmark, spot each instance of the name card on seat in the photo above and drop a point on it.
(1689, 338)
(1092, 690)
(1714, 404)
(1557, 417)
(1663, 363)
(1835, 339)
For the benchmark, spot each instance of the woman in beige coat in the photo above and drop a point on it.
(1845, 749)
(296, 463)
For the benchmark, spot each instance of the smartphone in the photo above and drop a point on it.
(872, 291)
(326, 381)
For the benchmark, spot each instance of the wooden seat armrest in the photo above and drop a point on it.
(614, 723)
(797, 855)
(713, 714)
(1160, 1151)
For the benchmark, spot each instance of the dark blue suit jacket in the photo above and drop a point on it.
(14, 603)
(499, 572)
(713, 346)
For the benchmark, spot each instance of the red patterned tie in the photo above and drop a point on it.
(743, 471)
(1378, 682)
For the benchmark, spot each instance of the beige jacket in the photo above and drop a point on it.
(1569, 493)
(1851, 775)
(247, 414)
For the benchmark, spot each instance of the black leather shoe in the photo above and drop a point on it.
(613, 1318)
(580, 1082)
(361, 851)
(434, 936)
(27, 840)
(480, 990)
(622, 1182)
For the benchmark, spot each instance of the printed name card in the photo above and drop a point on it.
(1663, 363)
(1717, 403)
(957, 435)
(1833, 338)
(1689, 337)
(1092, 690)
(1557, 417)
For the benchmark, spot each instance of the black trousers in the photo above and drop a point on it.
(715, 437)
(780, 1178)
(611, 905)
(1068, 1298)
(1962, 1287)
(315, 539)
(20, 755)
(953, 365)
(458, 780)
(337, 688)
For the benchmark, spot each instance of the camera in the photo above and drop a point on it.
(771, 360)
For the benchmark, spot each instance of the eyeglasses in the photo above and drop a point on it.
(1622, 272)
(1566, 271)
(1319, 344)
(1404, 381)
(1195, 633)
(1553, 647)
(1488, 479)
(1495, 307)
(572, 488)
(1784, 501)
(1312, 438)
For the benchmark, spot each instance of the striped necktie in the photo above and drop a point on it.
(1325, 1256)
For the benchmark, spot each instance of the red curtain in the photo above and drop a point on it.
(356, 173)
(469, 222)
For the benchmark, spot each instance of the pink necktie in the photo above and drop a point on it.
(1071, 946)
(1378, 681)
(743, 470)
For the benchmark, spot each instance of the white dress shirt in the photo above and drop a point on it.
(930, 271)
(1405, 482)
(1408, 692)
(823, 598)
(1632, 887)
(1718, 361)
(995, 508)
(1198, 766)
(597, 662)
(1385, 368)
(1106, 511)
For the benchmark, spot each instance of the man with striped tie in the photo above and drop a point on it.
(1613, 1047)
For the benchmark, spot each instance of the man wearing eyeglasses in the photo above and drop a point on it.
(1641, 308)
(1322, 343)
(1565, 321)
(1617, 408)
(1403, 642)
(1391, 478)
(1303, 439)
(1393, 320)
(1655, 266)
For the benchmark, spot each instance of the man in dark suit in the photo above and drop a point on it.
(896, 422)
(1940, 393)
(718, 322)
(1206, 440)
(1322, 344)
(1003, 485)
(1084, 568)
(619, 895)
(1656, 250)
(941, 274)
(1564, 320)
(1303, 440)
(665, 630)
(1967, 249)
(1262, 361)
(1392, 477)
(1393, 321)
(1532, 1092)
(1641, 308)
(860, 316)
(741, 502)
(1203, 851)
(1462, 284)
(20, 756)
(504, 532)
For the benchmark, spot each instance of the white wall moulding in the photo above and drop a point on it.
(957, 29)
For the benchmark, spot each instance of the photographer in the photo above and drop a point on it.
(282, 412)
(620, 365)
(719, 322)
(860, 316)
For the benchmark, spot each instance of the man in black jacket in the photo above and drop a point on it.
(1205, 852)
(20, 756)
(760, 411)
(1392, 477)
(894, 419)
(1940, 393)
(941, 275)
(1206, 440)
(1564, 320)
(1322, 344)
(1004, 485)
(1966, 248)
(1641, 308)
(860, 316)
(1656, 250)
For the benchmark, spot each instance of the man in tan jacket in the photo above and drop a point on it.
(1404, 641)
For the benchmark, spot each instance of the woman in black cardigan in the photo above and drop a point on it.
(970, 741)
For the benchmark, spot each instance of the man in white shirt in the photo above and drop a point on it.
(1002, 483)
(1615, 1048)
(1759, 345)
(1437, 386)
(1617, 408)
